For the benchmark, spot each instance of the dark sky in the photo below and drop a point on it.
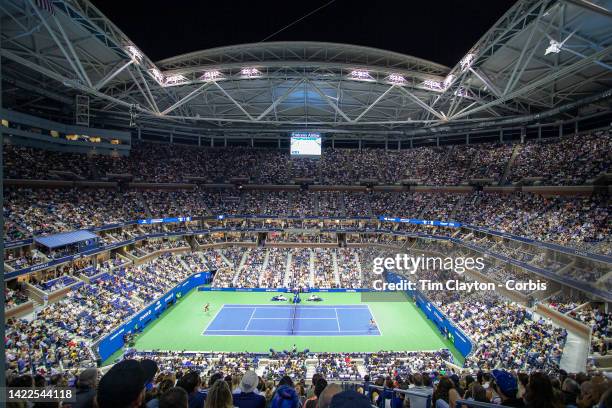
(440, 31)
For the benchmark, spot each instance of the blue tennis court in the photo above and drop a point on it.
(287, 320)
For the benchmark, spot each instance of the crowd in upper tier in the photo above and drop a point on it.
(573, 159)
(581, 222)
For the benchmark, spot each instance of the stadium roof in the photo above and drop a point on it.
(542, 58)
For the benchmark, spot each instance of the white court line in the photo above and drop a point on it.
(212, 320)
(343, 307)
(297, 318)
(285, 331)
(250, 318)
(338, 321)
(377, 326)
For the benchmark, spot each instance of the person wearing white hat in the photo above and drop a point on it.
(247, 397)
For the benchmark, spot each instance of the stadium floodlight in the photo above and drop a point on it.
(448, 81)
(211, 75)
(134, 53)
(553, 47)
(467, 61)
(396, 79)
(250, 72)
(157, 74)
(175, 80)
(360, 74)
(431, 84)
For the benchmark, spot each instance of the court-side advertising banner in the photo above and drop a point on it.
(114, 341)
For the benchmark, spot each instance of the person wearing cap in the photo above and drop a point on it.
(86, 388)
(506, 386)
(123, 386)
(247, 398)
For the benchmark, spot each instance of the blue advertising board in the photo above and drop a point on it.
(114, 340)
(461, 341)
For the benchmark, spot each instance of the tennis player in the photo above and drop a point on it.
(206, 307)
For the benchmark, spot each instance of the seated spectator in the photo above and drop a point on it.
(191, 382)
(445, 395)
(86, 388)
(328, 394)
(123, 386)
(350, 399)
(247, 397)
(506, 386)
(219, 396)
(174, 398)
(285, 395)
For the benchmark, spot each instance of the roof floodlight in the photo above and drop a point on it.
(431, 84)
(467, 61)
(553, 47)
(396, 79)
(360, 74)
(250, 72)
(134, 53)
(211, 75)
(175, 79)
(448, 81)
(157, 74)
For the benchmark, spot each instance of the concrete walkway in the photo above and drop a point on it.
(575, 353)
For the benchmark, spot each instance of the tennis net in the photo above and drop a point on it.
(293, 318)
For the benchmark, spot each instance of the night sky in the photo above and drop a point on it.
(440, 31)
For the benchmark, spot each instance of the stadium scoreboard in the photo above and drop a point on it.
(306, 144)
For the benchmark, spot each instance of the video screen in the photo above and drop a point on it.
(306, 144)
